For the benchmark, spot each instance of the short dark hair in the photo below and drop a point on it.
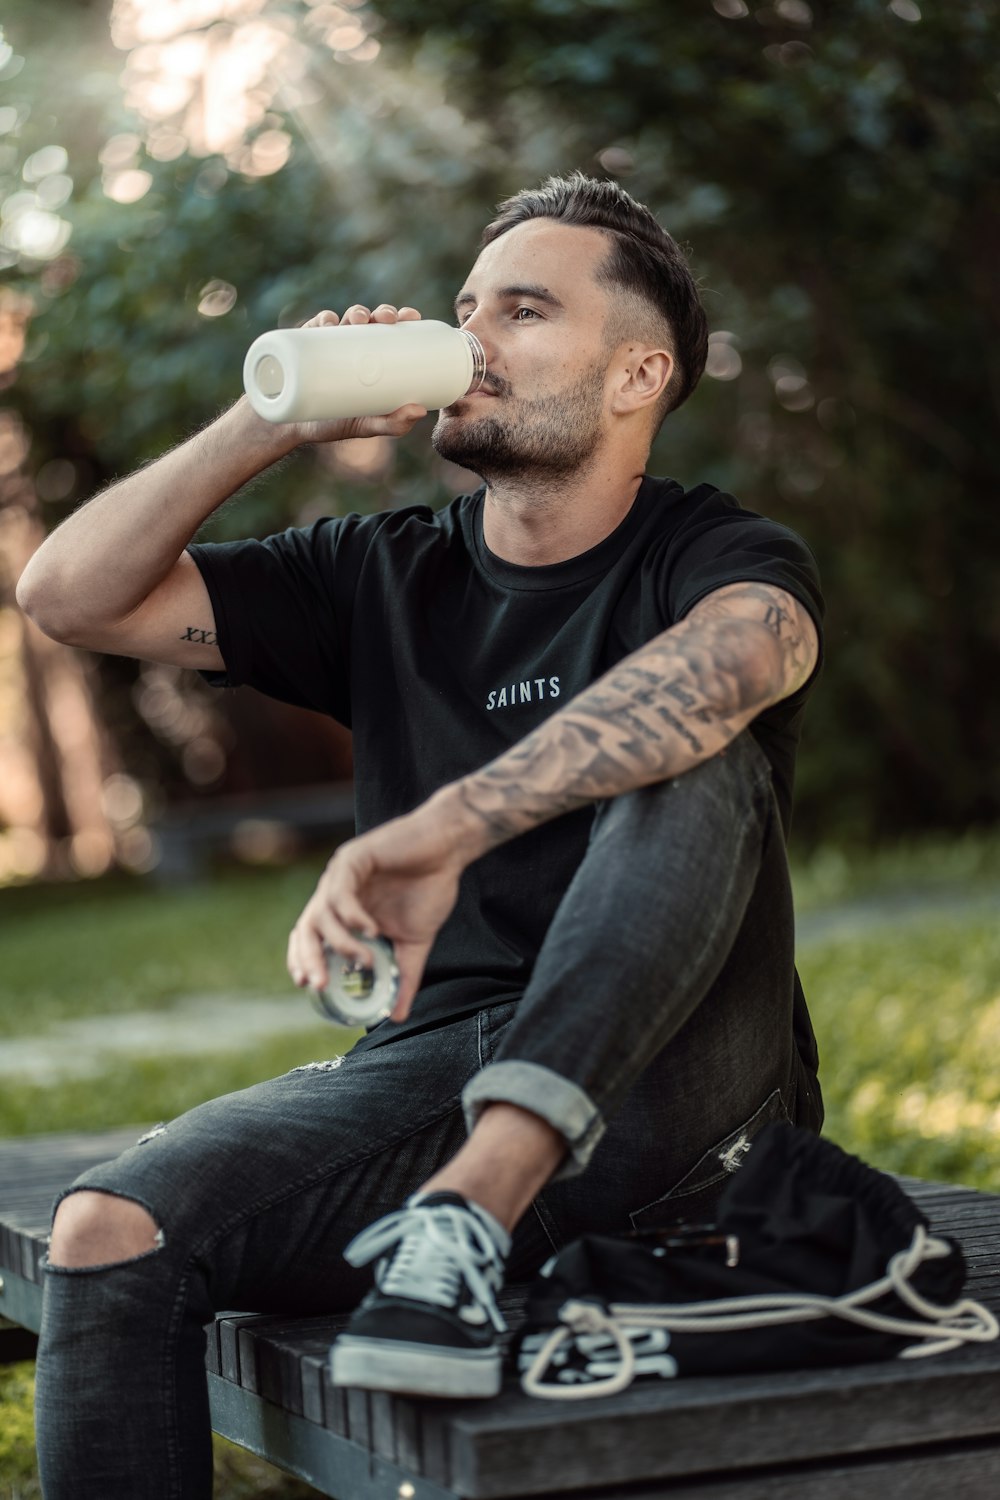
(643, 261)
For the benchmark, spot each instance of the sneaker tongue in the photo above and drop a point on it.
(445, 1197)
(432, 1200)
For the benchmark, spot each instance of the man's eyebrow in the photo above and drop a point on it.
(509, 293)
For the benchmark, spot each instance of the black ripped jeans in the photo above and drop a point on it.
(655, 1034)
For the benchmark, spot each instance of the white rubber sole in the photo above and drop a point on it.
(414, 1369)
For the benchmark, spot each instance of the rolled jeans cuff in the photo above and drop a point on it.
(556, 1100)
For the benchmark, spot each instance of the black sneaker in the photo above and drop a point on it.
(429, 1327)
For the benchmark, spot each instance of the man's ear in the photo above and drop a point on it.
(642, 375)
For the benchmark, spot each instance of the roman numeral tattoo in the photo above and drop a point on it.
(200, 637)
(661, 711)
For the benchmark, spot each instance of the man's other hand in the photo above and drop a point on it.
(399, 881)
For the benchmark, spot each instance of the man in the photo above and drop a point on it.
(575, 699)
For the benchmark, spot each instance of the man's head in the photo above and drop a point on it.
(592, 328)
(653, 294)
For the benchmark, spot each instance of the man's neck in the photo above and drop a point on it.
(532, 524)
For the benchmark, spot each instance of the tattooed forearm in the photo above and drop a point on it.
(200, 637)
(667, 707)
(680, 729)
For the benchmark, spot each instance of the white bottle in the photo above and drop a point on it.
(360, 369)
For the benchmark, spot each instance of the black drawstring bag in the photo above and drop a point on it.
(815, 1259)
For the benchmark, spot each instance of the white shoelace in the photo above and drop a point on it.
(439, 1247)
(946, 1327)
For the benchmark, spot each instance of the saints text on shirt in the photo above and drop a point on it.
(523, 692)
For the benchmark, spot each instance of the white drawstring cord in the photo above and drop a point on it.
(963, 1322)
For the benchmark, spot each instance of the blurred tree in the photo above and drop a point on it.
(837, 182)
(837, 170)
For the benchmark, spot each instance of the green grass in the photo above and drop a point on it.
(107, 947)
(908, 1022)
(158, 1088)
(238, 1475)
(926, 866)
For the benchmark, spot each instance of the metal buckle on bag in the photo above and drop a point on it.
(693, 1238)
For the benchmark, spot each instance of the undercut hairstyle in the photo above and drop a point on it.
(657, 299)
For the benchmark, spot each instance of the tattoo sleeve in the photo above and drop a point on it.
(662, 710)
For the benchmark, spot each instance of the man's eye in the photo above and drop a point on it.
(521, 313)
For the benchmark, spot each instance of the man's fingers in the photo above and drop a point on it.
(397, 423)
(386, 312)
(305, 959)
(324, 319)
(338, 936)
(293, 962)
(313, 934)
(411, 959)
(352, 915)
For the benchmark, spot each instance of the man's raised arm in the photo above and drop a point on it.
(115, 575)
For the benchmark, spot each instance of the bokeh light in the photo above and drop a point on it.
(204, 74)
(723, 362)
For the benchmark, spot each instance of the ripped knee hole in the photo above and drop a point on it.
(93, 1228)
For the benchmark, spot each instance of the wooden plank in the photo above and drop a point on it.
(436, 1420)
(383, 1426)
(978, 1241)
(33, 1197)
(20, 1301)
(284, 1359)
(509, 1447)
(960, 1474)
(359, 1427)
(29, 1250)
(258, 1340)
(334, 1405)
(229, 1347)
(332, 1464)
(409, 1454)
(985, 1285)
(281, 1355)
(313, 1367)
(213, 1356)
(36, 1157)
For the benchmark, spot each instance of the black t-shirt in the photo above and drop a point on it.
(439, 656)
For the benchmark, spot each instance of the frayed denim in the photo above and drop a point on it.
(656, 1035)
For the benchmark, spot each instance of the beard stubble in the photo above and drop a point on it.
(545, 437)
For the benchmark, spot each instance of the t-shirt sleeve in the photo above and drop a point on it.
(282, 610)
(738, 546)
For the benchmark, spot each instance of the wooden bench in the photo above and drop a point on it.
(919, 1429)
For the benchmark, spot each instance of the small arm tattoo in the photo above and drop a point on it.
(199, 637)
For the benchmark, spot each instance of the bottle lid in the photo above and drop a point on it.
(355, 995)
(478, 361)
(270, 376)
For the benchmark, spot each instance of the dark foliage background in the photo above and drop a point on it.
(836, 173)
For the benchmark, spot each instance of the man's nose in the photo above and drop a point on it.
(478, 323)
